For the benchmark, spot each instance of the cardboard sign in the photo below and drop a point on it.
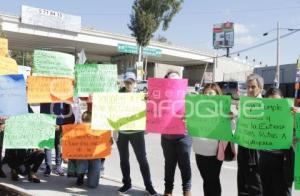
(208, 116)
(49, 89)
(12, 95)
(119, 111)
(55, 64)
(265, 123)
(29, 131)
(166, 106)
(8, 66)
(3, 47)
(79, 141)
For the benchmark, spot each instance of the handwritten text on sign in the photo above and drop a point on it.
(80, 142)
(265, 123)
(29, 131)
(50, 63)
(91, 78)
(12, 95)
(119, 111)
(49, 89)
(166, 106)
(208, 116)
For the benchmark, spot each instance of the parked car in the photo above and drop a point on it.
(142, 86)
(233, 88)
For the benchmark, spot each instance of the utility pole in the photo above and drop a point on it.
(277, 75)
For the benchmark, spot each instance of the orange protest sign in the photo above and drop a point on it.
(79, 141)
(3, 47)
(49, 89)
(8, 66)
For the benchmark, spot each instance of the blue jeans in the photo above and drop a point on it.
(177, 151)
(93, 171)
(137, 141)
(57, 146)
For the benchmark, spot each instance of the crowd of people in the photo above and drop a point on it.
(260, 172)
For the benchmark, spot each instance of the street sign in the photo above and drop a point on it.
(133, 49)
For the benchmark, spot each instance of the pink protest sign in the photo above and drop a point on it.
(165, 106)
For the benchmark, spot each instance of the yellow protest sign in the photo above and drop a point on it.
(8, 66)
(119, 111)
(49, 89)
(3, 47)
(79, 141)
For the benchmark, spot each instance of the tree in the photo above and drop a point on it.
(146, 17)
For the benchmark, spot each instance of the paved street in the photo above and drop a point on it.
(62, 186)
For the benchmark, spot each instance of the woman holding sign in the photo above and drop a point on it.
(210, 154)
(177, 149)
(276, 166)
(249, 181)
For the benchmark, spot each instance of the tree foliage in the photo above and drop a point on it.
(147, 15)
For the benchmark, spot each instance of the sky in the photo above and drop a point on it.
(192, 26)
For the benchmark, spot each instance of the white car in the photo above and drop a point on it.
(142, 86)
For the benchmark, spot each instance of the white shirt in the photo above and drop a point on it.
(205, 147)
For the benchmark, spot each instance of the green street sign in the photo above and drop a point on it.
(132, 49)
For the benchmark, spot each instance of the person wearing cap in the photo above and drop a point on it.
(137, 140)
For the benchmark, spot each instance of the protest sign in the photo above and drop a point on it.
(50, 63)
(29, 131)
(79, 141)
(24, 70)
(91, 78)
(3, 47)
(12, 95)
(49, 89)
(265, 123)
(208, 116)
(119, 111)
(166, 106)
(8, 66)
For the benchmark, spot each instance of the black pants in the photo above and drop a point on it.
(137, 141)
(210, 168)
(274, 176)
(177, 151)
(31, 160)
(249, 182)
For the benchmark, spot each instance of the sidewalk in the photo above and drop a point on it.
(63, 186)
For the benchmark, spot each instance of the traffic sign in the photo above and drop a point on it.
(133, 49)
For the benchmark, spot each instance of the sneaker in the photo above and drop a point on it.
(124, 189)
(47, 171)
(14, 175)
(33, 178)
(151, 191)
(58, 171)
(80, 178)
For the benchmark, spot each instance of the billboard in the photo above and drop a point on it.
(50, 19)
(223, 35)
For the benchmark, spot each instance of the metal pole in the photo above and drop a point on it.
(146, 68)
(277, 77)
(203, 74)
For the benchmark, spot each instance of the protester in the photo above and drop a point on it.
(277, 166)
(137, 140)
(64, 115)
(91, 166)
(30, 158)
(176, 149)
(206, 151)
(248, 178)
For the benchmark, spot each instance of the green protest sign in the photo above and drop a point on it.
(208, 116)
(91, 78)
(265, 124)
(297, 167)
(29, 131)
(297, 127)
(50, 63)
